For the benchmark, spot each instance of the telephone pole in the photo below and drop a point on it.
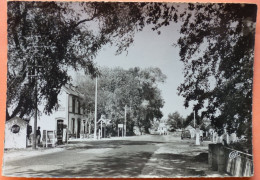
(125, 122)
(33, 73)
(194, 119)
(95, 128)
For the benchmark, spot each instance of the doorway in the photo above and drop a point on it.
(59, 131)
(78, 131)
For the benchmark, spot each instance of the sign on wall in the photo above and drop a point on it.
(15, 129)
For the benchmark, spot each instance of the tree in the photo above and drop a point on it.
(175, 121)
(190, 120)
(216, 47)
(133, 89)
(217, 50)
(57, 36)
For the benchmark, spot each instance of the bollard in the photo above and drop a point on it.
(221, 158)
(213, 154)
(210, 155)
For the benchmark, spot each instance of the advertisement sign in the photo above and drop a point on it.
(48, 138)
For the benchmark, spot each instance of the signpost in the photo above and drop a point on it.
(106, 122)
(95, 125)
(125, 122)
(120, 126)
(197, 136)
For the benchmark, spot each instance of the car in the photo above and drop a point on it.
(185, 134)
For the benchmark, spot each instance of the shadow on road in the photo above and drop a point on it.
(177, 165)
(107, 144)
(129, 165)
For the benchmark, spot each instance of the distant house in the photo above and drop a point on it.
(70, 116)
(163, 128)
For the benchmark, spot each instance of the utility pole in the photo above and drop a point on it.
(33, 73)
(95, 128)
(89, 122)
(101, 128)
(194, 119)
(125, 122)
(35, 113)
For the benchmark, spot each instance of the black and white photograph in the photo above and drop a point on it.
(129, 89)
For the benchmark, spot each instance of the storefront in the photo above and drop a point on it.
(69, 120)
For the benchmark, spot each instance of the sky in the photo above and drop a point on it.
(152, 50)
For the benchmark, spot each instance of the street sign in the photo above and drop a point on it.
(120, 125)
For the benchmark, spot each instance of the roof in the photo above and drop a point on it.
(17, 120)
(189, 127)
(70, 89)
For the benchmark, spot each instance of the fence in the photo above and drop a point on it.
(227, 160)
(238, 163)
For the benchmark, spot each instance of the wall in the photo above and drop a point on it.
(15, 140)
(230, 161)
(49, 122)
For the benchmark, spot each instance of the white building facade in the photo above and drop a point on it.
(69, 120)
(15, 133)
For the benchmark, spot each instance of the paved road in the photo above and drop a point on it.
(141, 156)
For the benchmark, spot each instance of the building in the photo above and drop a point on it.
(163, 127)
(15, 133)
(69, 120)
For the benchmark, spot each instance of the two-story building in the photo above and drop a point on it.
(70, 117)
(163, 127)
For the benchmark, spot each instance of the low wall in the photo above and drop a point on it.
(233, 162)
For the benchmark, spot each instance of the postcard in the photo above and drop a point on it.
(129, 89)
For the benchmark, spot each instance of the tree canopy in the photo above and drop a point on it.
(175, 121)
(217, 49)
(216, 46)
(134, 89)
(60, 36)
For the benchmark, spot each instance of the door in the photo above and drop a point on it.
(59, 131)
(78, 131)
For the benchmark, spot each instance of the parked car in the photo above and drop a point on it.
(185, 134)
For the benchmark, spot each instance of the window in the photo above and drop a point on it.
(73, 105)
(70, 103)
(73, 125)
(79, 107)
(76, 106)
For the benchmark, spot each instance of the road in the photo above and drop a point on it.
(140, 156)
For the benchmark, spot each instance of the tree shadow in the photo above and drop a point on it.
(123, 165)
(108, 144)
(176, 165)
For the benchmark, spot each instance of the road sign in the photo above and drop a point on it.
(120, 125)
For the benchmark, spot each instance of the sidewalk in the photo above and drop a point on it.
(179, 159)
(18, 154)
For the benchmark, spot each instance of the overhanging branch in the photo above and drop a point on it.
(85, 20)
